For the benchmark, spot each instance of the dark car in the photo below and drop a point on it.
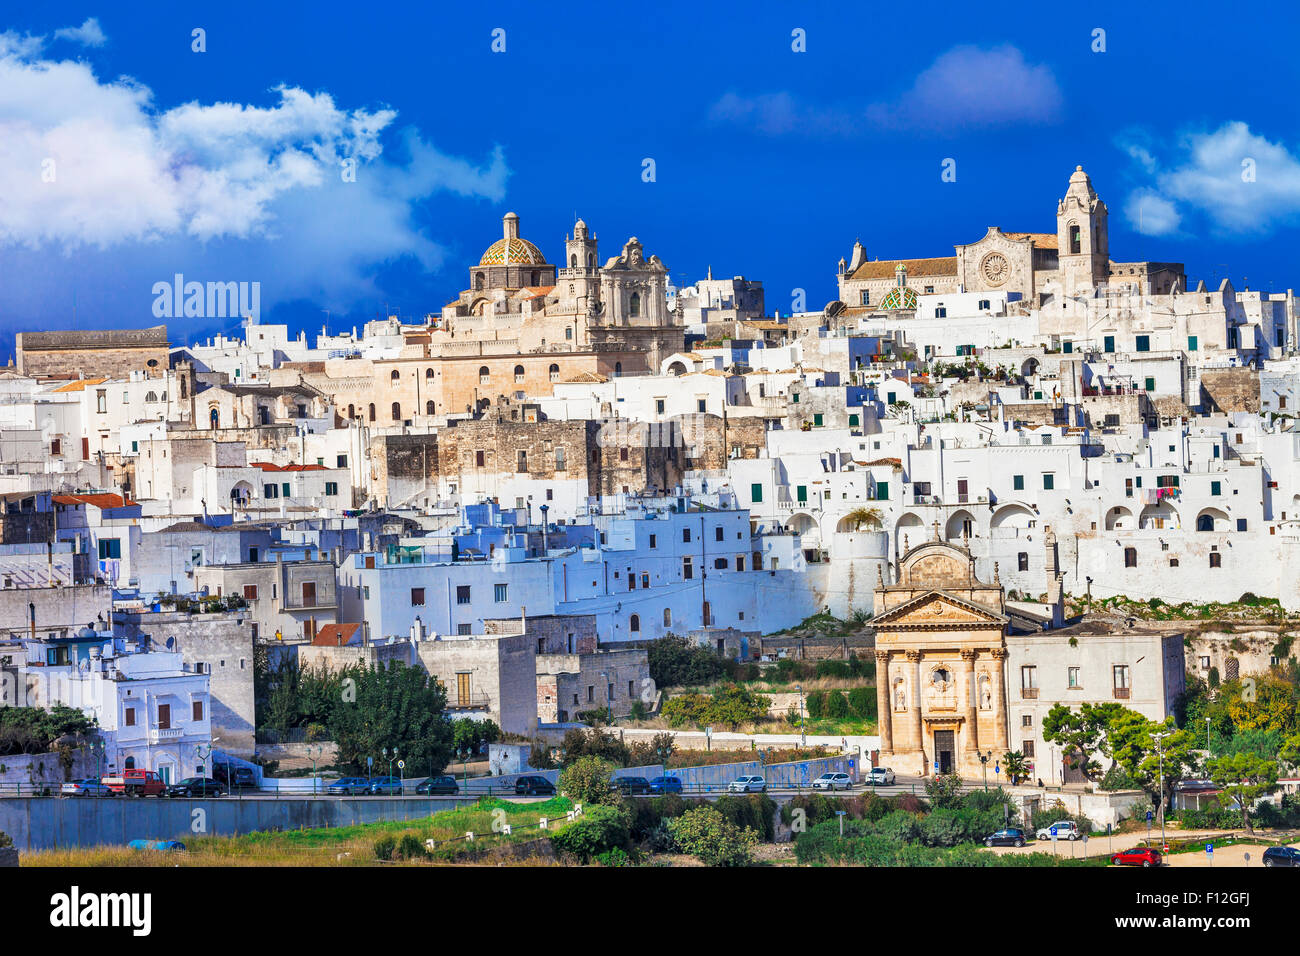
(1282, 856)
(235, 778)
(529, 786)
(389, 786)
(196, 787)
(1138, 856)
(433, 785)
(666, 785)
(1010, 836)
(632, 785)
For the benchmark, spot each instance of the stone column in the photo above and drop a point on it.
(969, 689)
(918, 744)
(1000, 699)
(884, 703)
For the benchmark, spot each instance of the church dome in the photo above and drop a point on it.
(512, 250)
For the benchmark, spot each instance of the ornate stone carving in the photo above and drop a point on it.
(995, 268)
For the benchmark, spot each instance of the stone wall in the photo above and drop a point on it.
(1226, 390)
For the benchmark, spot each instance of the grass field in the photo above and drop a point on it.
(333, 846)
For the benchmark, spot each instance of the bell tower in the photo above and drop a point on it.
(579, 280)
(1082, 237)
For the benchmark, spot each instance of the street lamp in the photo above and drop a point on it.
(319, 751)
(985, 756)
(803, 735)
(1159, 738)
(390, 762)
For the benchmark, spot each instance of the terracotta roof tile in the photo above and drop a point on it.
(98, 500)
(884, 268)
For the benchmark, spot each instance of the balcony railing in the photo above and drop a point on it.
(160, 735)
(1029, 693)
(1121, 693)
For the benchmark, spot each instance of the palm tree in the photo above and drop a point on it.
(1013, 762)
(864, 516)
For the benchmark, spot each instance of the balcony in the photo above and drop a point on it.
(1029, 693)
(1121, 693)
(468, 702)
(165, 734)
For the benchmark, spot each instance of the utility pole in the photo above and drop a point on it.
(1159, 739)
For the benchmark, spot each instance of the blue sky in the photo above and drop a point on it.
(126, 157)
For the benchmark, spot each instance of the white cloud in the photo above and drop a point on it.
(88, 34)
(965, 87)
(229, 184)
(1151, 214)
(1234, 180)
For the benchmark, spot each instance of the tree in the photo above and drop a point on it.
(394, 706)
(944, 790)
(598, 830)
(587, 781)
(1289, 753)
(1081, 734)
(1013, 763)
(706, 834)
(868, 517)
(1242, 779)
(1265, 703)
(1133, 747)
(676, 662)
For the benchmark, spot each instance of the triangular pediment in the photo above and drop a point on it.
(938, 608)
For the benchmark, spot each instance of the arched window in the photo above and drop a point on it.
(129, 764)
(573, 261)
(519, 374)
(484, 376)
(214, 417)
(428, 375)
(478, 280)
(352, 411)
(618, 369)
(151, 397)
(1205, 523)
(395, 376)
(1216, 559)
(590, 260)
(185, 388)
(397, 411)
(634, 309)
(554, 372)
(372, 411)
(537, 278)
(1076, 240)
(668, 617)
(428, 407)
(634, 623)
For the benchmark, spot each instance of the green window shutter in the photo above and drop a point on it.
(1192, 344)
(756, 492)
(1216, 488)
(1067, 347)
(801, 492)
(284, 490)
(1108, 343)
(795, 398)
(853, 421)
(882, 491)
(1018, 482)
(817, 420)
(1151, 384)
(1144, 343)
(1049, 482)
(892, 397)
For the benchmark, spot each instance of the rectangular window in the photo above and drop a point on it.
(701, 405)
(1216, 488)
(164, 716)
(654, 538)
(1150, 384)
(521, 463)
(1029, 682)
(1241, 524)
(1027, 749)
(1143, 343)
(1049, 481)
(464, 630)
(801, 493)
(717, 533)
(417, 597)
(882, 491)
(1067, 348)
(686, 536)
(101, 402)
(817, 420)
(250, 592)
(688, 569)
(129, 718)
(270, 491)
(500, 593)
(1108, 343)
(342, 461)
(560, 463)
(1074, 678)
(755, 493)
(198, 710)
(462, 594)
(1122, 686)
(1192, 344)
(659, 406)
(110, 548)
(331, 489)
(284, 489)
(1017, 482)
(891, 397)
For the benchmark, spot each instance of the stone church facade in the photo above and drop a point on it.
(940, 664)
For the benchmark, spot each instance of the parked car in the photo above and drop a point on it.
(1065, 830)
(529, 786)
(666, 785)
(90, 787)
(196, 787)
(388, 786)
(349, 785)
(434, 785)
(235, 778)
(751, 784)
(632, 785)
(833, 781)
(1282, 856)
(882, 776)
(1010, 836)
(136, 783)
(1138, 856)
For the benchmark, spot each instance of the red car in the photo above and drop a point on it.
(1138, 856)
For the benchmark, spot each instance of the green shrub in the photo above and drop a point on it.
(707, 835)
(898, 826)
(587, 781)
(598, 830)
(614, 857)
(862, 701)
(385, 847)
(837, 706)
(648, 814)
(754, 811)
(816, 703)
(409, 847)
